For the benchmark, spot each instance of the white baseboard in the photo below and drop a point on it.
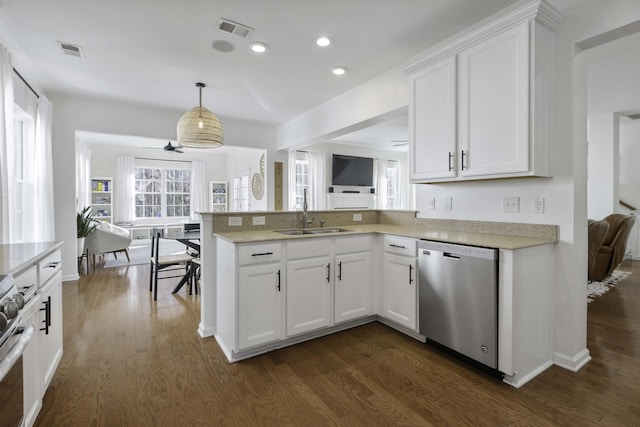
(205, 332)
(572, 363)
(70, 277)
(518, 381)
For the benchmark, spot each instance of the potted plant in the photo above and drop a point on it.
(85, 225)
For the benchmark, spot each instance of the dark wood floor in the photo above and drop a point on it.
(131, 362)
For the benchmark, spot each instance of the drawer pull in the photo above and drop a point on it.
(53, 264)
(397, 246)
(262, 254)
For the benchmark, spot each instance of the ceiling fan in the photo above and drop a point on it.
(174, 148)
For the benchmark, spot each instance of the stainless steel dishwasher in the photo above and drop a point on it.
(458, 299)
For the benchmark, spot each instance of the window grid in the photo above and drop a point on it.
(392, 185)
(162, 192)
(302, 182)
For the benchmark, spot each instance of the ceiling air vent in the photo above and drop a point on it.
(71, 49)
(234, 28)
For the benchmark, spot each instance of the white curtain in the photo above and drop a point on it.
(198, 188)
(6, 145)
(403, 196)
(43, 163)
(124, 189)
(83, 176)
(292, 180)
(317, 181)
(380, 173)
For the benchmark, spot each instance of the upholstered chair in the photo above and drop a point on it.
(613, 246)
(597, 233)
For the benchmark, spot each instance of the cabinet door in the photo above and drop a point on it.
(308, 294)
(494, 105)
(50, 339)
(400, 290)
(352, 284)
(259, 304)
(432, 121)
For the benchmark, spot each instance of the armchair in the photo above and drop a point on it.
(107, 238)
(613, 247)
(597, 231)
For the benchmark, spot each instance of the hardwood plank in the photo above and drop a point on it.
(130, 361)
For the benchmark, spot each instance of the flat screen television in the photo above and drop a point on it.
(351, 170)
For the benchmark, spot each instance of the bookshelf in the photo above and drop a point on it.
(218, 196)
(102, 198)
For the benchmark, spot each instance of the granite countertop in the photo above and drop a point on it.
(498, 241)
(14, 258)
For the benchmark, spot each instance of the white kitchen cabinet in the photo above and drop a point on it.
(479, 102)
(309, 285)
(50, 334)
(352, 277)
(400, 281)
(260, 292)
(432, 121)
(494, 105)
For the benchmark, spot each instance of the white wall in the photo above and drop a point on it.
(603, 164)
(71, 114)
(630, 177)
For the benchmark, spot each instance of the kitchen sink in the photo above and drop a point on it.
(299, 231)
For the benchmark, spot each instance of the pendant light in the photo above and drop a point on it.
(199, 127)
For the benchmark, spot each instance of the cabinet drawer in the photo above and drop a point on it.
(400, 245)
(308, 248)
(27, 278)
(345, 245)
(257, 254)
(50, 266)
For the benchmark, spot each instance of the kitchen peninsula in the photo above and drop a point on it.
(268, 290)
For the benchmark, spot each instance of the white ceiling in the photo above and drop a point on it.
(152, 52)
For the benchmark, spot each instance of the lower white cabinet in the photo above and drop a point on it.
(309, 284)
(260, 291)
(32, 382)
(352, 285)
(50, 333)
(400, 283)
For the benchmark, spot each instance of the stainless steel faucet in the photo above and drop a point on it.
(304, 210)
(305, 221)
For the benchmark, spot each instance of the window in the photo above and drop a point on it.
(241, 202)
(162, 193)
(392, 185)
(301, 179)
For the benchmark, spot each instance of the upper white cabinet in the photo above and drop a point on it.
(479, 103)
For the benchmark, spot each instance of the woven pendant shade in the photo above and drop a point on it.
(199, 127)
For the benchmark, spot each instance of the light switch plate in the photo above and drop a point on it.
(538, 205)
(357, 217)
(511, 204)
(432, 204)
(258, 220)
(448, 203)
(235, 221)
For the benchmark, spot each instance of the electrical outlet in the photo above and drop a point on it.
(448, 203)
(511, 204)
(432, 204)
(357, 217)
(538, 205)
(258, 220)
(235, 221)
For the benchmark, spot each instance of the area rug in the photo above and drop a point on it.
(595, 289)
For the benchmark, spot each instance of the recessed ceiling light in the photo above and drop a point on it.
(324, 41)
(258, 47)
(339, 71)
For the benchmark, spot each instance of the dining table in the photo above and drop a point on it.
(190, 239)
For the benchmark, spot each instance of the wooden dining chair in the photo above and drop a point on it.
(166, 263)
